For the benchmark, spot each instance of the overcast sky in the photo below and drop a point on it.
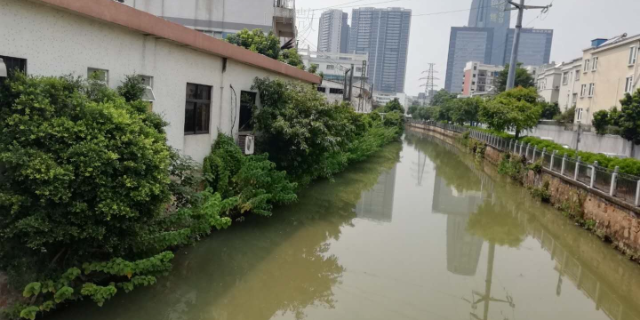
(575, 23)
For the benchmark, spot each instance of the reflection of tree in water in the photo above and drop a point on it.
(448, 166)
(494, 223)
(262, 267)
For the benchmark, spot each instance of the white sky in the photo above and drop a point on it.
(575, 23)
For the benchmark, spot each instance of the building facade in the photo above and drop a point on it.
(570, 87)
(334, 65)
(218, 18)
(333, 33)
(361, 98)
(383, 35)
(466, 44)
(56, 38)
(491, 14)
(548, 81)
(479, 78)
(534, 48)
(610, 69)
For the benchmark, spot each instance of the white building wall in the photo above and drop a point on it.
(56, 43)
(570, 89)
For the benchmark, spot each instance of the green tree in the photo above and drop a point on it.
(442, 97)
(629, 119)
(292, 58)
(516, 110)
(257, 41)
(567, 116)
(523, 78)
(549, 110)
(601, 121)
(394, 105)
(132, 88)
(467, 110)
(313, 68)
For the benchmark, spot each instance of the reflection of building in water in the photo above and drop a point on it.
(377, 203)
(463, 249)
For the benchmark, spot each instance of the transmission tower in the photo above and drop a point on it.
(429, 80)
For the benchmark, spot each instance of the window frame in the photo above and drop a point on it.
(594, 64)
(628, 85)
(583, 91)
(586, 66)
(592, 89)
(92, 70)
(336, 89)
(633, 55)
(10, 64)
(197, 102)
(247, 126)
(565, 78)
(577, 77)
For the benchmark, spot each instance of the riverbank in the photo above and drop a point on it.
(607, 217)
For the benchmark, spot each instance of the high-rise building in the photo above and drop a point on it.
(333, 34)
(383, 34)
(491, 14)
(534, 48)
(466, 44)
(488, 40)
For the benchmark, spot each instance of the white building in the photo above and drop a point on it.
(55, 38)
(220, 18)
(548, 81)
(334, 65)
(570, 86)
(479, 78)
(361, 99)
(333, 33)
(382, 98)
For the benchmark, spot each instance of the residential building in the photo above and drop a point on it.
(548, 80)
(382, 34)
(334, 65)
(361, 98)
(195, 82)
(492, 14)
(466, 44)
(610, 69)
(333, 33)
(534, 48)
(479, 78)
(218, 18)
(570, 87)
(382, 98)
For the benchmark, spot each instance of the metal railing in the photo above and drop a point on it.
(622, 186)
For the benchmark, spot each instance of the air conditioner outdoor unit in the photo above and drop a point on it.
(247, 143)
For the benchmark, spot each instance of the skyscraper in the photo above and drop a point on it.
(333, 35)
(489, 40)
(383, 34)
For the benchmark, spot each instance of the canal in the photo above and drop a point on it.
(420, 231)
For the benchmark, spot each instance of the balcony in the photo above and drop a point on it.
(284, 18)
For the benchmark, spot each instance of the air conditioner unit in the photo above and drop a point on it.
(247, 143)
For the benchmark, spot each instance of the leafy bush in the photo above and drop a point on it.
(132, 88)
(567, 116)
(251, 183)
(394, 105)
(512, 166)
(542, 193)
(601, 121)
(81, 179)
(549, 110)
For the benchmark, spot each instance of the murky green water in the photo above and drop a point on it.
(419, 232)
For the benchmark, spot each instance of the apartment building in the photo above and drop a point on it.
(199, 84)
(609, 71)
(570, 87)
(548, 81)
(334, 65)
(333, 33)
(479, 78)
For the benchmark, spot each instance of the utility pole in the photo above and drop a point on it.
(429, 85)
(362, 75)
(521, 7)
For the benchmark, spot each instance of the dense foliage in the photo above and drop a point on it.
(567, 116)
(265, 44)
(523, 78)
(549, 110)
(393, 105)
(629, 117)
(600, 121)
(310, 138)
(251, 182)
(515, 110)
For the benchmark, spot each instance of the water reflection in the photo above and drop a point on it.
(377, 203)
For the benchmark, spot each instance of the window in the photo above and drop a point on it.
(577, 75)
(247, 101)
(14, 64)
(592, 89)
(594, 67)
(336, 91)
(148, 95)
(330, 67)
(628, 85)
(579, 114)
(217, 34)
(633, 55)
(359, 69)
(322, 89)
(565, 78)
(583, 90)
(98, 74)
(474, 75)
(475, 68)
(587, 63)
(197, 109)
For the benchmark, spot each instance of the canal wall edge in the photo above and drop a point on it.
(615, 221)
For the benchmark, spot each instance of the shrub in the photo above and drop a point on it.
(251, 184)
(81, 179)
(511, 166)
(601, 121)
(542, 193)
